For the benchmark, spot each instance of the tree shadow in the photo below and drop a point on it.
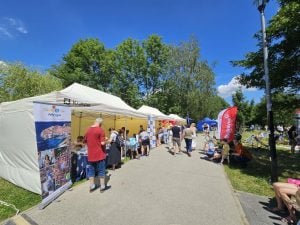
(260, 166)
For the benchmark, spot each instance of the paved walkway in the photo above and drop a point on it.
(161, 189)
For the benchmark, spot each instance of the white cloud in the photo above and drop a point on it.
(11, 27)
(227, 90)
(22, 30)
(4, 32)
(2, 64)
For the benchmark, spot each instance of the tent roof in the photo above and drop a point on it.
(176, 117)
(207, 119)
(154, 112)
(78, 96)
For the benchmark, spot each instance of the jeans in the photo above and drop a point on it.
(96, 167)
(165, 138)
(188, 143)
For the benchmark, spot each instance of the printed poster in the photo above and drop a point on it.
(151, 131)
(53, 137)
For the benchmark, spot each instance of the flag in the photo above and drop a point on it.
(226, 123)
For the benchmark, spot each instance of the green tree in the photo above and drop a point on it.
(18, 81)
(156, 53)
(189, 86)
(131, 67)
(283, 37)
(284, 106)
(87, 63)
(243, 114)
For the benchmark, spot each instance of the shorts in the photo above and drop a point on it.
(145, 142)
(96, 167)
(176, 141)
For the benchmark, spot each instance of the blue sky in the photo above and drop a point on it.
(38, 33)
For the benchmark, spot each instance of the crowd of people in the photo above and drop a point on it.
(105, 151)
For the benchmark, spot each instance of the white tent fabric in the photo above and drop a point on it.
(176, 117)
(158, 115)
(18, 150)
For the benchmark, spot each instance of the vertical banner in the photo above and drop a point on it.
(226, 123)
(53, 137)
(151, 131)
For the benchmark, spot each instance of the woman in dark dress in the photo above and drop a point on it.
(114, 155)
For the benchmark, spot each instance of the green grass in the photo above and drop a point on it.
(256, 177)
(17, 196)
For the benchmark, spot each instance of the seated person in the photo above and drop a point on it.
(240, 154)
(210, 148)
(283, 193)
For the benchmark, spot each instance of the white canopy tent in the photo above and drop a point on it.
(177, 118)
(158, 115)
(18, 149)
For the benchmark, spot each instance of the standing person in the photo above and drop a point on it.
(141, 128)
(165, 134)
(206, 129)
(194, 129)
(170, 137)
(114, 156)
(95, 140)
(145, 143)
(292, 138)
(176, 131)
(188, 135)
(160, 134)
(225, 151)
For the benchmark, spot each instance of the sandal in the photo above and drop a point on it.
(288, 220)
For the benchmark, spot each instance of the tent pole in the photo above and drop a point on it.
(80, 116)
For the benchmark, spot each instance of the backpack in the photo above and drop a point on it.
(119, 141)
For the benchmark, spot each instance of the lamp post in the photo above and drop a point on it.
(272, 147)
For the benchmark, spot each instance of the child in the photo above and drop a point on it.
(225, 151)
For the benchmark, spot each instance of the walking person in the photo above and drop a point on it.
(188, 135)
(95, 140)
(170, 137)
(194, 129)
(176, 131)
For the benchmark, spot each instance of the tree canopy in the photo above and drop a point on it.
(172, 78)
(283, 37)
(18, 81)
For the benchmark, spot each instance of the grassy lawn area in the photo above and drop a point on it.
(255, 178)
(17, 196)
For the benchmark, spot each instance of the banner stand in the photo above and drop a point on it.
(53, 138)
(45, 202)
(151, 131)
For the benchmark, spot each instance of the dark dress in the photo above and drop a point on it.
(114, 155)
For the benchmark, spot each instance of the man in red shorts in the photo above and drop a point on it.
(95, 139)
